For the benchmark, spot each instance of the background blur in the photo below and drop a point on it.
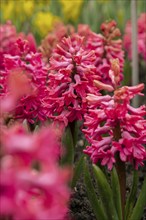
(39, 16)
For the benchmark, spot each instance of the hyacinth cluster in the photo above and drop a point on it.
(8, 38)
(141, 41)
(112, 126)
(77, 61)
(107, 46)
(23, 83)
(33, 186)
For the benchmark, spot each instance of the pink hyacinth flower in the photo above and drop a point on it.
(114, 127)
(73, 66)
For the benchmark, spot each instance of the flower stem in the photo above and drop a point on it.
(121, 170)
(72, 126)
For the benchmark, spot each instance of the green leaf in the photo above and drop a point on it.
(132, 196)
(140, 204)
(105, 194)
(79, 167)
(69, 148)
(95, 203)
(116, 193)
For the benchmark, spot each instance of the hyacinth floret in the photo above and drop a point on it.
(114, 127)
(53, 38)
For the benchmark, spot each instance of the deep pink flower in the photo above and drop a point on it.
(71, 76)
(141, 37)
(36, 189)
(22, 95)
(113, 126)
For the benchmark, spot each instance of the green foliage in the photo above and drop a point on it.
(68, 148)
(140, 204)
(105, 193)
(116, 192)
(78, 169)
(132, 196)
(95, 202)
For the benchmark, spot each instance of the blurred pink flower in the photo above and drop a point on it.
(141, 37)
(112, 126)
(23, 83)
(8, 38)
(36, 189)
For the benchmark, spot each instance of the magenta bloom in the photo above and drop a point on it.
(23, 84)
(8, 38)
(33, 186)
(71, 76)
(141, 37)
(114, 127)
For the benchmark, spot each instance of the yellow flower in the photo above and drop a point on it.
(44, 22)
(28, 6)
(71, 9)
(17, 10)
(7, 9)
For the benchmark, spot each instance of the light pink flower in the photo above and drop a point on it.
(141, 37)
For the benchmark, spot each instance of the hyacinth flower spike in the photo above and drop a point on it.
(115, 129)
